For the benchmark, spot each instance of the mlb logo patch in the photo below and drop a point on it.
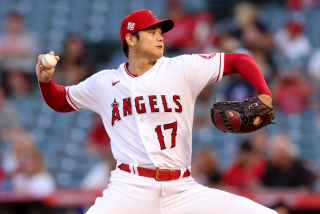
(207, 56)
(131, 25)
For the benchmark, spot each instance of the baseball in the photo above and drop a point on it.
(49, 61)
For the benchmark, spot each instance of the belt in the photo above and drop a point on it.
(158, 174)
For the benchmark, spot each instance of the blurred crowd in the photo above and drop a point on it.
(260, 161)
(287, 59)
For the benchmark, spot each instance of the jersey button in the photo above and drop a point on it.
(154, 157)
(136, 89)
(146, 139)
(141, 120)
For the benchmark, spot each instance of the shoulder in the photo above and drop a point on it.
(103, 75)
(173, 63)
(106, 72)
(196, 56)
(175, 58)
(178, 59)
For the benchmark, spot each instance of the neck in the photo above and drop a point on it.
(139, 66)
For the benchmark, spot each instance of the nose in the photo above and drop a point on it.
(160, 38)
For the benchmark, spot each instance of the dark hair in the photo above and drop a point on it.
(125, 46)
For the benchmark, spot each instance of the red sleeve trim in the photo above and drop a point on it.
(219, 70)
(71, 101)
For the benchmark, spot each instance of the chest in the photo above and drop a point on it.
(154, 94)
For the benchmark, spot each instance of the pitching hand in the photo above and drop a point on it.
(266, 99)
(44, 74)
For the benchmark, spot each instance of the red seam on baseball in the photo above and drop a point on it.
(51, 66)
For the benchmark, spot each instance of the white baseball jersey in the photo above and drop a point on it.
(149, 117)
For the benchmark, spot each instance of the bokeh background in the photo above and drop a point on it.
(59, 163)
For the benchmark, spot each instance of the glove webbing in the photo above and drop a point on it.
(224, 118)
(226, 121)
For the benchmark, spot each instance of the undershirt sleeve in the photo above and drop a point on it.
(244, 65)
(72, 98)
(55, 96)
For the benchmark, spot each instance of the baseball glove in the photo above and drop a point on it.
(238, 117)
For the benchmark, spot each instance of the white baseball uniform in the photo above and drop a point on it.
(149, 120)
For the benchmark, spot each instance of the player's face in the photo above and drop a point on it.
(150, 42)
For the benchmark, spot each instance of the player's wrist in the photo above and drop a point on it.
(44, 80)
(266, 99)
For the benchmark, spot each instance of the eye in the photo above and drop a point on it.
(153, 32)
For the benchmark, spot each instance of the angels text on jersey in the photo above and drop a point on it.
(126, 106)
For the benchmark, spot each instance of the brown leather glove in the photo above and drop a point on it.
(238, 116)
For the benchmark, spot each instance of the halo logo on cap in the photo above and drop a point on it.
(131, 25)
(154, 16)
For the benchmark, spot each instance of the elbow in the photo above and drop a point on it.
(60, 110)
(63, 109)
(57, 108)
(235, 58)
(244, 60)
(243, 56)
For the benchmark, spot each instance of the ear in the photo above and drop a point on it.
(130, 40)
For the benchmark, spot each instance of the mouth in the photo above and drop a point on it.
(160, 46)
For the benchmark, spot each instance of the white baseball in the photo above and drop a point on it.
(49, 61)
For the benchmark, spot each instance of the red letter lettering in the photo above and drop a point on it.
(175, 99)
(143, 106)
(152, 103)
(127, 107)
(165, 105)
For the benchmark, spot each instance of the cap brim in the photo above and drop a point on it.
(166, 25)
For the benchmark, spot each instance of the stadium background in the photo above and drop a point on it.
(66, 141)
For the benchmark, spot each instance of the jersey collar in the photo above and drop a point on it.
(128, 72)
(125, 65)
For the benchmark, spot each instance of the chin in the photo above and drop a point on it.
(154, 55)
(159, 55)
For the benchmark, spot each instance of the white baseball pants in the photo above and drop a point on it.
(129, 193)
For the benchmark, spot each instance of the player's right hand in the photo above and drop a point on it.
(44, 74)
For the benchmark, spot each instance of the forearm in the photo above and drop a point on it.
(248, 69)
(55, 96)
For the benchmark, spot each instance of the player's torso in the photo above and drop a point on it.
(149, 117)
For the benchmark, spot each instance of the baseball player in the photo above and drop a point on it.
(147, 109)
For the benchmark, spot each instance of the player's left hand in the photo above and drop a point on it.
(266, 99)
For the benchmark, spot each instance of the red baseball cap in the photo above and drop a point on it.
(142, 19)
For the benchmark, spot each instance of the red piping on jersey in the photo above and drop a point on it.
(71, 100)
(128, 72)
(219, 69)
